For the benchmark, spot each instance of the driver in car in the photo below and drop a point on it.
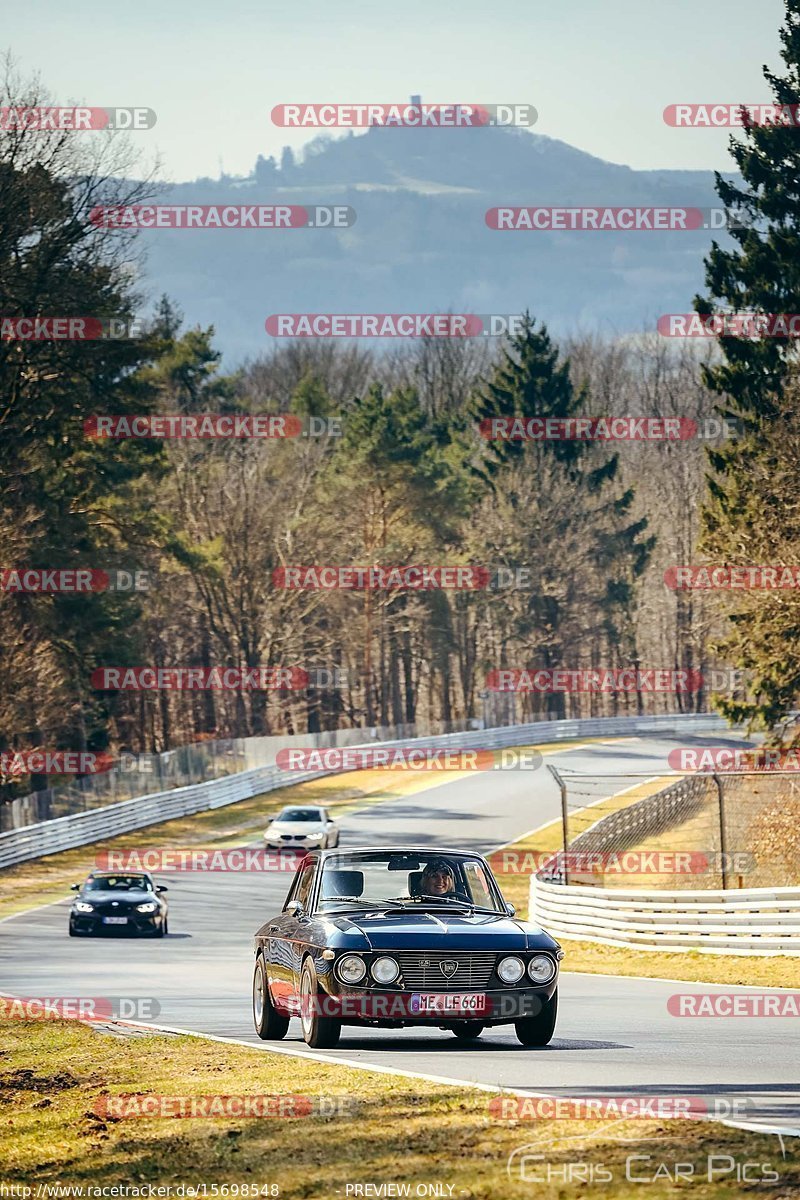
(437, 879)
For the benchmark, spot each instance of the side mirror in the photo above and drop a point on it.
(294, 908)
(75, 887)
(162, 889)
(511, 910)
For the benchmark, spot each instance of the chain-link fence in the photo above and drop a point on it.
(728, 830)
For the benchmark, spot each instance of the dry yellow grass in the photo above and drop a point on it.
(370, 1128)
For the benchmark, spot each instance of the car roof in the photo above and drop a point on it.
(398, 850)
(116, 874)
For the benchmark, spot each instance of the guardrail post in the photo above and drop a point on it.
(723, 840)
(564, 819)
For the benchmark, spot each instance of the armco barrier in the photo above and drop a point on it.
(79, 829)
(750, 921)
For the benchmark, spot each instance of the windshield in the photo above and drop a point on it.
(418, 880)
(300, 814)
(118, 883)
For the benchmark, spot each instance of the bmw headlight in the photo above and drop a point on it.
(146, 907)
(350, 969)
(541, 968)
(82, 906)
(511, 969)
(385, 970)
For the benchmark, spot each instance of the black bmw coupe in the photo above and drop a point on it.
(118, 902)
(397, 937)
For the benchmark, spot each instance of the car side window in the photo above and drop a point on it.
(302, 888)
(478, 885)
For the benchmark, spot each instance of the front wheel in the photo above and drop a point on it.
(319, 1032)
(270, 1025)
(538, 1030)
(468, 1031)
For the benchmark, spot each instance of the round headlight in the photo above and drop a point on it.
(146, 907)
(82, 906)
(511, 970)
(385, 970)
(351, 969)
(541, 968)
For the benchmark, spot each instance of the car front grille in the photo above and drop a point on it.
(422, 971)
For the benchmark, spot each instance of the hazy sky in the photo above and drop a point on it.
(600, 72)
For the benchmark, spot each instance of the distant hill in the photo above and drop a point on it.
(420, 242)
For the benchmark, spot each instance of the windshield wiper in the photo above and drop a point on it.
(357, 900)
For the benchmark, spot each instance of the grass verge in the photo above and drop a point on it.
(54, 1076)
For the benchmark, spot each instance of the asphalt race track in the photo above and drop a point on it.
(614, 1036)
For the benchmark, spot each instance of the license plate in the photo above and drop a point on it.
(115, 920)
(459, 1003)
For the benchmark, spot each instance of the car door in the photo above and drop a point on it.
(286, 932)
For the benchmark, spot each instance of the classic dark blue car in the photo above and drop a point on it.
(396, 937)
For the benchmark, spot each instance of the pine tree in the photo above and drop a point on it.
(747, 510)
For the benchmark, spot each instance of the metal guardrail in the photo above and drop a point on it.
(750, 921)
(79, 829)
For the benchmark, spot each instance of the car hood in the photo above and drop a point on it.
(107, 899)
(295, 827)
(426, 931)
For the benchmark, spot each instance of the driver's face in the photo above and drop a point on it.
(439, 882)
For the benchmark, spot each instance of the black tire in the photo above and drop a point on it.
(159, 930)
(468, 1031)
(538, 1030)
(166, 926)
(321, 1033)
(270, 1025)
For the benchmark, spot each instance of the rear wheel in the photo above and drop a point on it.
(538, 1030)
(318, 1031)
(468, 1031)
(270, 1025)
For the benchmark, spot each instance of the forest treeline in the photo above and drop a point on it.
(390, 468)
